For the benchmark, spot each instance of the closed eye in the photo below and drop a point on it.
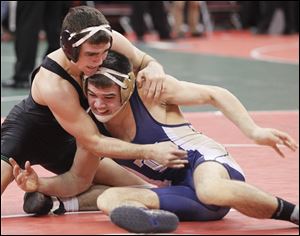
(110, 97)
(91, 94)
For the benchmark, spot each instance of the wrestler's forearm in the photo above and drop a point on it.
(146, 60)
(116, 148)
(138, 58)
(233, 109)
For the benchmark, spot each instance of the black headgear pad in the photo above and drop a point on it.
(66, 45)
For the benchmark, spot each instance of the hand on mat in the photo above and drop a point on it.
(26, 179)
(151, 79)
(167, 154)
(273, 138)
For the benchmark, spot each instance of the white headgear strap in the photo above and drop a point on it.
(92, 30)
(109, 74)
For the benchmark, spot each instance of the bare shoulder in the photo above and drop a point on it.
(49, 87)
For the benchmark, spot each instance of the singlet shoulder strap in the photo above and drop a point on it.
(53, 66)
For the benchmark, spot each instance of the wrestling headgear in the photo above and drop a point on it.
(70, 42)
(126, 88)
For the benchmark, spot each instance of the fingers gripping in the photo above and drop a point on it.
(140, 79)
(151, 87)
(178, 158)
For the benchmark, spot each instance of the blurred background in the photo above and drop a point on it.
(248, 47)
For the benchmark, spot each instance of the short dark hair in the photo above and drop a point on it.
(115, 61)
(81, 17)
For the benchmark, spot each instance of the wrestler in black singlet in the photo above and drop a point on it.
(31, 132)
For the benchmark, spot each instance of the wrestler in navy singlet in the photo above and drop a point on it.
(31, 132)
(179, 197)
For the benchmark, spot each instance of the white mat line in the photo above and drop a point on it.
(67, 213)
(260, 52)
(241, 145)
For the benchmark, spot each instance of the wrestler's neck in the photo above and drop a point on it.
(73, 71)
(122, 125)
(60, 57)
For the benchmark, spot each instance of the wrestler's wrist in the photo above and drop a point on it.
(146, 61)
(155, 63)
(41, 186)
(145, 152)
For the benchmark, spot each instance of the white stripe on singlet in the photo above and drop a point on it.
(188, 138)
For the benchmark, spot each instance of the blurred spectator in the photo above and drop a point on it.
(193, 16)
(291, 15)
(6, 32)
(249, 13)
(4, 10)
(158, 13)
(31, 17)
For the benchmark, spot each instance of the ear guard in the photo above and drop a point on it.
(128, 90)
(70, 42)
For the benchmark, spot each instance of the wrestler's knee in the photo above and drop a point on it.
(208, 191)
(209, 178)
(108, 199)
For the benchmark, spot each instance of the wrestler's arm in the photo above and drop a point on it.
(186, 93)
(150, 73)
(76, 180)
(62, 99)
(86, 169)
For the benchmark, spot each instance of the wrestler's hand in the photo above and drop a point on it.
(26, 179)
(151, 80)
(274, 138)
(168, 154)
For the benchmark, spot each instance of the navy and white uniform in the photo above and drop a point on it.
(31, 132)
(179, 197)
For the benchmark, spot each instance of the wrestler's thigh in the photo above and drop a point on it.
(208, 172)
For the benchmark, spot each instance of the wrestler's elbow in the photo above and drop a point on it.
(92, 144)
(217, 95)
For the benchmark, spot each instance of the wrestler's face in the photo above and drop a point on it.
(91, 56)
(104, 101)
